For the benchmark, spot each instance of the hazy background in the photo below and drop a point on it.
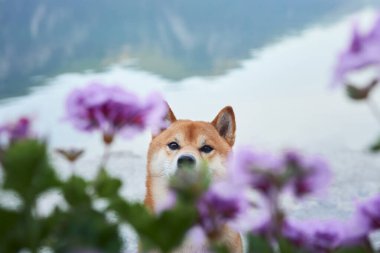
(174, 39)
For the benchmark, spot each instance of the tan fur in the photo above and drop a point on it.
(191, 136)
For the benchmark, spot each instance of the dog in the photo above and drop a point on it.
(188, 143)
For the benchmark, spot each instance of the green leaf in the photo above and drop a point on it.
(10, 231)
(375, 147)
(82, 228)
(75, 192)
(258, 244)
(165, 231)
(286, 246)
(219, 248)
(190, 184)
(27, 170)
(106, 186)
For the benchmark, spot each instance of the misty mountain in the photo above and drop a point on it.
(174, 38)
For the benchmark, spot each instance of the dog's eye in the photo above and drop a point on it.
(173, 145)
(206, 149)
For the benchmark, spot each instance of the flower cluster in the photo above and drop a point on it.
(222, 204)
(329, 235)
(269, 174)
(228, 202)
(301, 176)
(113, 110)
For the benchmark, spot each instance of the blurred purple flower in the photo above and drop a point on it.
(14, 131)
(223, 203)
(320, 236)
(295, 232)
(325, 236)
(309, 175)
(196, 236)
(269, 174)
(254, 169)
(368, 214)
(113, 110)
(357, 232)
(363, 51)
(168, 203)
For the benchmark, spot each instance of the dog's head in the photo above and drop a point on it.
(186, 143)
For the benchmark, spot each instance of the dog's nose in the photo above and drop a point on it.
(185, 161)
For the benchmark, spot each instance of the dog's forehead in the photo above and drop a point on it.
(193, 131)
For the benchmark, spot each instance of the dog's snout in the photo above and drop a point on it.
(186, 161)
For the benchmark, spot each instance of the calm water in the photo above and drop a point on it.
(271, 61)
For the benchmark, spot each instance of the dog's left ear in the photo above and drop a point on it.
(225, 124)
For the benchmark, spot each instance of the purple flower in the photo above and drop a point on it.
(309, 175)
(368, 214)
(197, 236)
(169, 202)
(295, 232)
(254, 169)
(14, 131)
(113, 110)
(269, 174)
(357, 232)
(363, 51)
(325, 236)
(318, 236)
(221, 204)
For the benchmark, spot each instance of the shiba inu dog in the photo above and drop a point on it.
(184, 143)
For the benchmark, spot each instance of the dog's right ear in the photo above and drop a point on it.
(169, 119)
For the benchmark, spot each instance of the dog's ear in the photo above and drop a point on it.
(169, 119)
(225, 124)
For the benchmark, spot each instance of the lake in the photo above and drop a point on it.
(271, 61)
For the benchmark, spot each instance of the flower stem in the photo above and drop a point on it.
(374, 109)
(106, 155)
(72, 168)
(368, 246)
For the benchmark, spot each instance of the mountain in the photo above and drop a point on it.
(174, 38)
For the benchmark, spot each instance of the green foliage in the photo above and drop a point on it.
(219, 248)
(11, 234)
(258, 244)
(80, 226)
(354, 250)
(164, 231)
(106, 186)
(27, 170)
(75, 192)
(375, 147)
(189, 184)
(287, 247)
